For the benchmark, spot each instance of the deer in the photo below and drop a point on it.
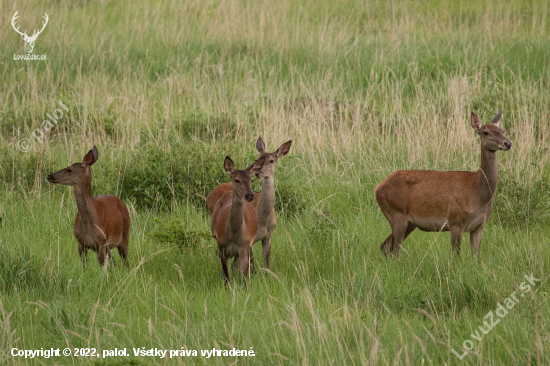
(434, 201)
(235, 221)
(29, 41)
(102, 222)
(263, 201)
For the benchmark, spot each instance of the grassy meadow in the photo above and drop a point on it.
(166, 89)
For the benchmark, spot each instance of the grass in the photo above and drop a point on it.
(167, 89)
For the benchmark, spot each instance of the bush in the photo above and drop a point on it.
(156, 177)
(175, 233)
(522, 203)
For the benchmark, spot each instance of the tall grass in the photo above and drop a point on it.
(167, 89)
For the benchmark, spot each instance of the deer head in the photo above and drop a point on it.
(29, 41)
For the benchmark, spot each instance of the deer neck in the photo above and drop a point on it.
(236, 216)
(267, 200)
(488, 174)
(83, 195)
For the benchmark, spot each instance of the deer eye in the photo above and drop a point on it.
(272, 161)
(69, 170)
(237, 181)
(485, 133)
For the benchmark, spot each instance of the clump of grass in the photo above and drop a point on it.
(175, 233)
(156, 176)
(521, 203)
(23, 172)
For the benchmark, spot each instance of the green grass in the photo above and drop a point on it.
(167, 89)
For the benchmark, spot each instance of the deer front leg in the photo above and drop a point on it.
(244, 261)
(475, 240)
(266, 249)
(83, 252)
(225, 267)
(102, 253)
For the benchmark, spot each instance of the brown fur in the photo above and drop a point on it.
(264, 204)
(220, 191)
(444, 201)
(103, 222)
(235, 221)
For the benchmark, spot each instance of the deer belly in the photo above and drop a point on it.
(431, 224)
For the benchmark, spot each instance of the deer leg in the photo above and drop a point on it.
(266, 249)
(123, 246)
(456, 239)
(244, 260)
(83, 252)
(225, 267)
(399, 232)
(101, 254)
(123, 252)
(386, 245)
(475, 240)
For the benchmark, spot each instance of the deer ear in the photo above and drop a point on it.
(260, 145)
(497, 118)
(284, 149)
(257, 166)
(474, 120)
(228, 165)
(91, 157)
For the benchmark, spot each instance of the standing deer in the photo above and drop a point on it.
(103, 222)
(264, 201)
(444, 201)
(29, 41)
(234, 221)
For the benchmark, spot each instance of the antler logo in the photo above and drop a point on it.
(29, 41)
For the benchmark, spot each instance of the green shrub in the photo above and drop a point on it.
(156, 177)
(522, 203)
(174, 233)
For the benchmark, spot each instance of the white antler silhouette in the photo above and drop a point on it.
(29, 41)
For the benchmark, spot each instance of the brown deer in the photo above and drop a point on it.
(102, 222)
(234, 221)
(444, 201)
(263, 201)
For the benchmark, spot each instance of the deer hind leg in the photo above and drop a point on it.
(456, 239)
(386, 245)
(475, 240)
(123, 252)
(400, 230)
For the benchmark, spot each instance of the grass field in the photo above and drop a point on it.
(166, 89)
